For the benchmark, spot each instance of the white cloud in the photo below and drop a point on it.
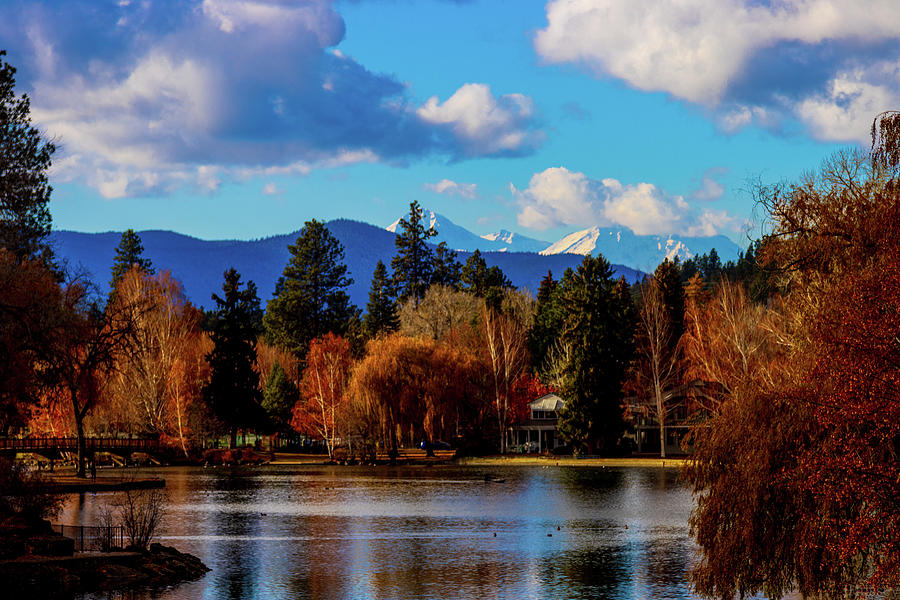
(452, 188)
(724, 54)
(483, 123)
(710, 188)
(145, 97)
(270, 189)
(558, 197)
(846, 109)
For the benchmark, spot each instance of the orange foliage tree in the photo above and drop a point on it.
(31, 304)
(415, 386)
(151, 378)
(323, 404)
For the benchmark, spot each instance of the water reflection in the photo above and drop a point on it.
(441, 532)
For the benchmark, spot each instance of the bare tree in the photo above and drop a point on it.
(505, 335)
(439, 311)
(657, 367)
(84, 353)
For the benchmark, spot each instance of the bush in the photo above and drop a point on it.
(141, 514)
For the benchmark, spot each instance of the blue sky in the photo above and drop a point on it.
(244, 118)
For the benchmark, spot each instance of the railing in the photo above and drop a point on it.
(36, 444)
(90, 538)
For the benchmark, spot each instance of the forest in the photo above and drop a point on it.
(783, 366)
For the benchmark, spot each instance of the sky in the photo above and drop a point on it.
(244, 118)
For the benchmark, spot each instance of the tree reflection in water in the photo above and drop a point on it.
(442, 532)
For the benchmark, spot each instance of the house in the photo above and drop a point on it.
(538, 432)
(686, 407)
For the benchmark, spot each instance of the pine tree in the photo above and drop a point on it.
(381, 311)
(413, 264)
(310, 300)
(24, 187)
(279, 398)
(447, 270)
(671, 288)
(129, 253)
(233, 389)
(483, 281)
(599, 329)
(547, 326)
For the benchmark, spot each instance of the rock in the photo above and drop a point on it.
(50, 545)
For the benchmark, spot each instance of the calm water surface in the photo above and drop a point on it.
(423, 532)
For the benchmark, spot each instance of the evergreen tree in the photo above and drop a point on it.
(24, 187)
(483, 281)
(381, 311)
(129, 253)
(413, 265)
(309, 299)
(547, 326)
(599, 329)
(279, 398)
(233, 389)
(447, 270)
(671, 287)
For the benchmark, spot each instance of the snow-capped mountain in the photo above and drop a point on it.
(461, 239)
(643, 252)
(515, 242)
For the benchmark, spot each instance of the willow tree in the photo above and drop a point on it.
(797, 481)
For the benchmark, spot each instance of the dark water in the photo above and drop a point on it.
(438, 532)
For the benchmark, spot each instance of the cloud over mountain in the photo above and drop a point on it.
(149, 96)
(831, 64)
(557, 197)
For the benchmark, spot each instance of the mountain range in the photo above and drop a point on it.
(199, 264)
(619, 245)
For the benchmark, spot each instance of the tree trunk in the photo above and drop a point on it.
(79, 432)
(662, 439)
(232, 442)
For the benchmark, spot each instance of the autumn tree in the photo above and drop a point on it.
(129, 255)
(598, 327)
(25, 158)
(413, 386)
(321, 409)
(796, 477)
(233, 390)
(440, 310)
(505, 334)
(657, 368)
(310, 298)
(413, 265)
(31, 311)
(381, 311)
(163, 337)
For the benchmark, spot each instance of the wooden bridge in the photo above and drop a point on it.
(58, 445)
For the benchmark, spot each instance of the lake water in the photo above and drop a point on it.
(423, 532)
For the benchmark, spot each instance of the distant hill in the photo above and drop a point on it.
(199, 264)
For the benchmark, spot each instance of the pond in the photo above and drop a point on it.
(422, 532)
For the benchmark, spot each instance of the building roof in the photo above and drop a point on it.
(547, 402)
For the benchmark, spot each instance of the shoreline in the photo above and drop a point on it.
(569, 461)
